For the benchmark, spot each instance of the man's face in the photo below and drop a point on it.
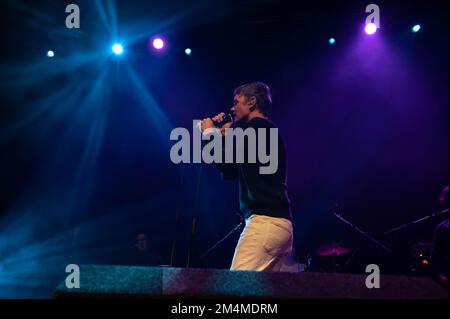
(141, 241)
(241, 107)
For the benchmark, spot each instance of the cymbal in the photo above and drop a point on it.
(335, 249)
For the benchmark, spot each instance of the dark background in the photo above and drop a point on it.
(84, 136)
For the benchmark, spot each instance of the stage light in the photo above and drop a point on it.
(158, 43)
(117, 49)
(416, 28)
(370, 28)
(332, 41)
(50, 54)
(188, 51)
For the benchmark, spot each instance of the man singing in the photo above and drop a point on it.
(267, 237)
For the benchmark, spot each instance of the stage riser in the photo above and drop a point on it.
(150, 282)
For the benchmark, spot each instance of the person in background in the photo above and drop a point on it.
(440, 252)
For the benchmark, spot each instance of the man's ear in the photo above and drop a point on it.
(252, 103)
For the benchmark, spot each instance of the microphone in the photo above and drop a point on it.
(226, 119)
(218, 124)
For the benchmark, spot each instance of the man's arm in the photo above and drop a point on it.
(228, 171)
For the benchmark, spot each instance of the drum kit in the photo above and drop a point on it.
(337, 255)
(334, 252)
(334, 249)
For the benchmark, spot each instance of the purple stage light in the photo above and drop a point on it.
(158, 43)
(370, 28)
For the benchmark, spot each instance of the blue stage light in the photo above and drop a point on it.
(117, 49)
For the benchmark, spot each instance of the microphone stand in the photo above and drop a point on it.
(194, 219)
(177, 218)
(221, 240)
(373, 240)
(227, 118)
(420, 220)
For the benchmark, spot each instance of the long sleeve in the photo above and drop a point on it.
(228, 171)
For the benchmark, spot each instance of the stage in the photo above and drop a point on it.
(103, 281)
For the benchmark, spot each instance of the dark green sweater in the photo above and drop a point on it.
(262, 194)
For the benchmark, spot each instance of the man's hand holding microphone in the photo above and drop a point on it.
(221, 121)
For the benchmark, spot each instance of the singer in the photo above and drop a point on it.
(268, 235)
